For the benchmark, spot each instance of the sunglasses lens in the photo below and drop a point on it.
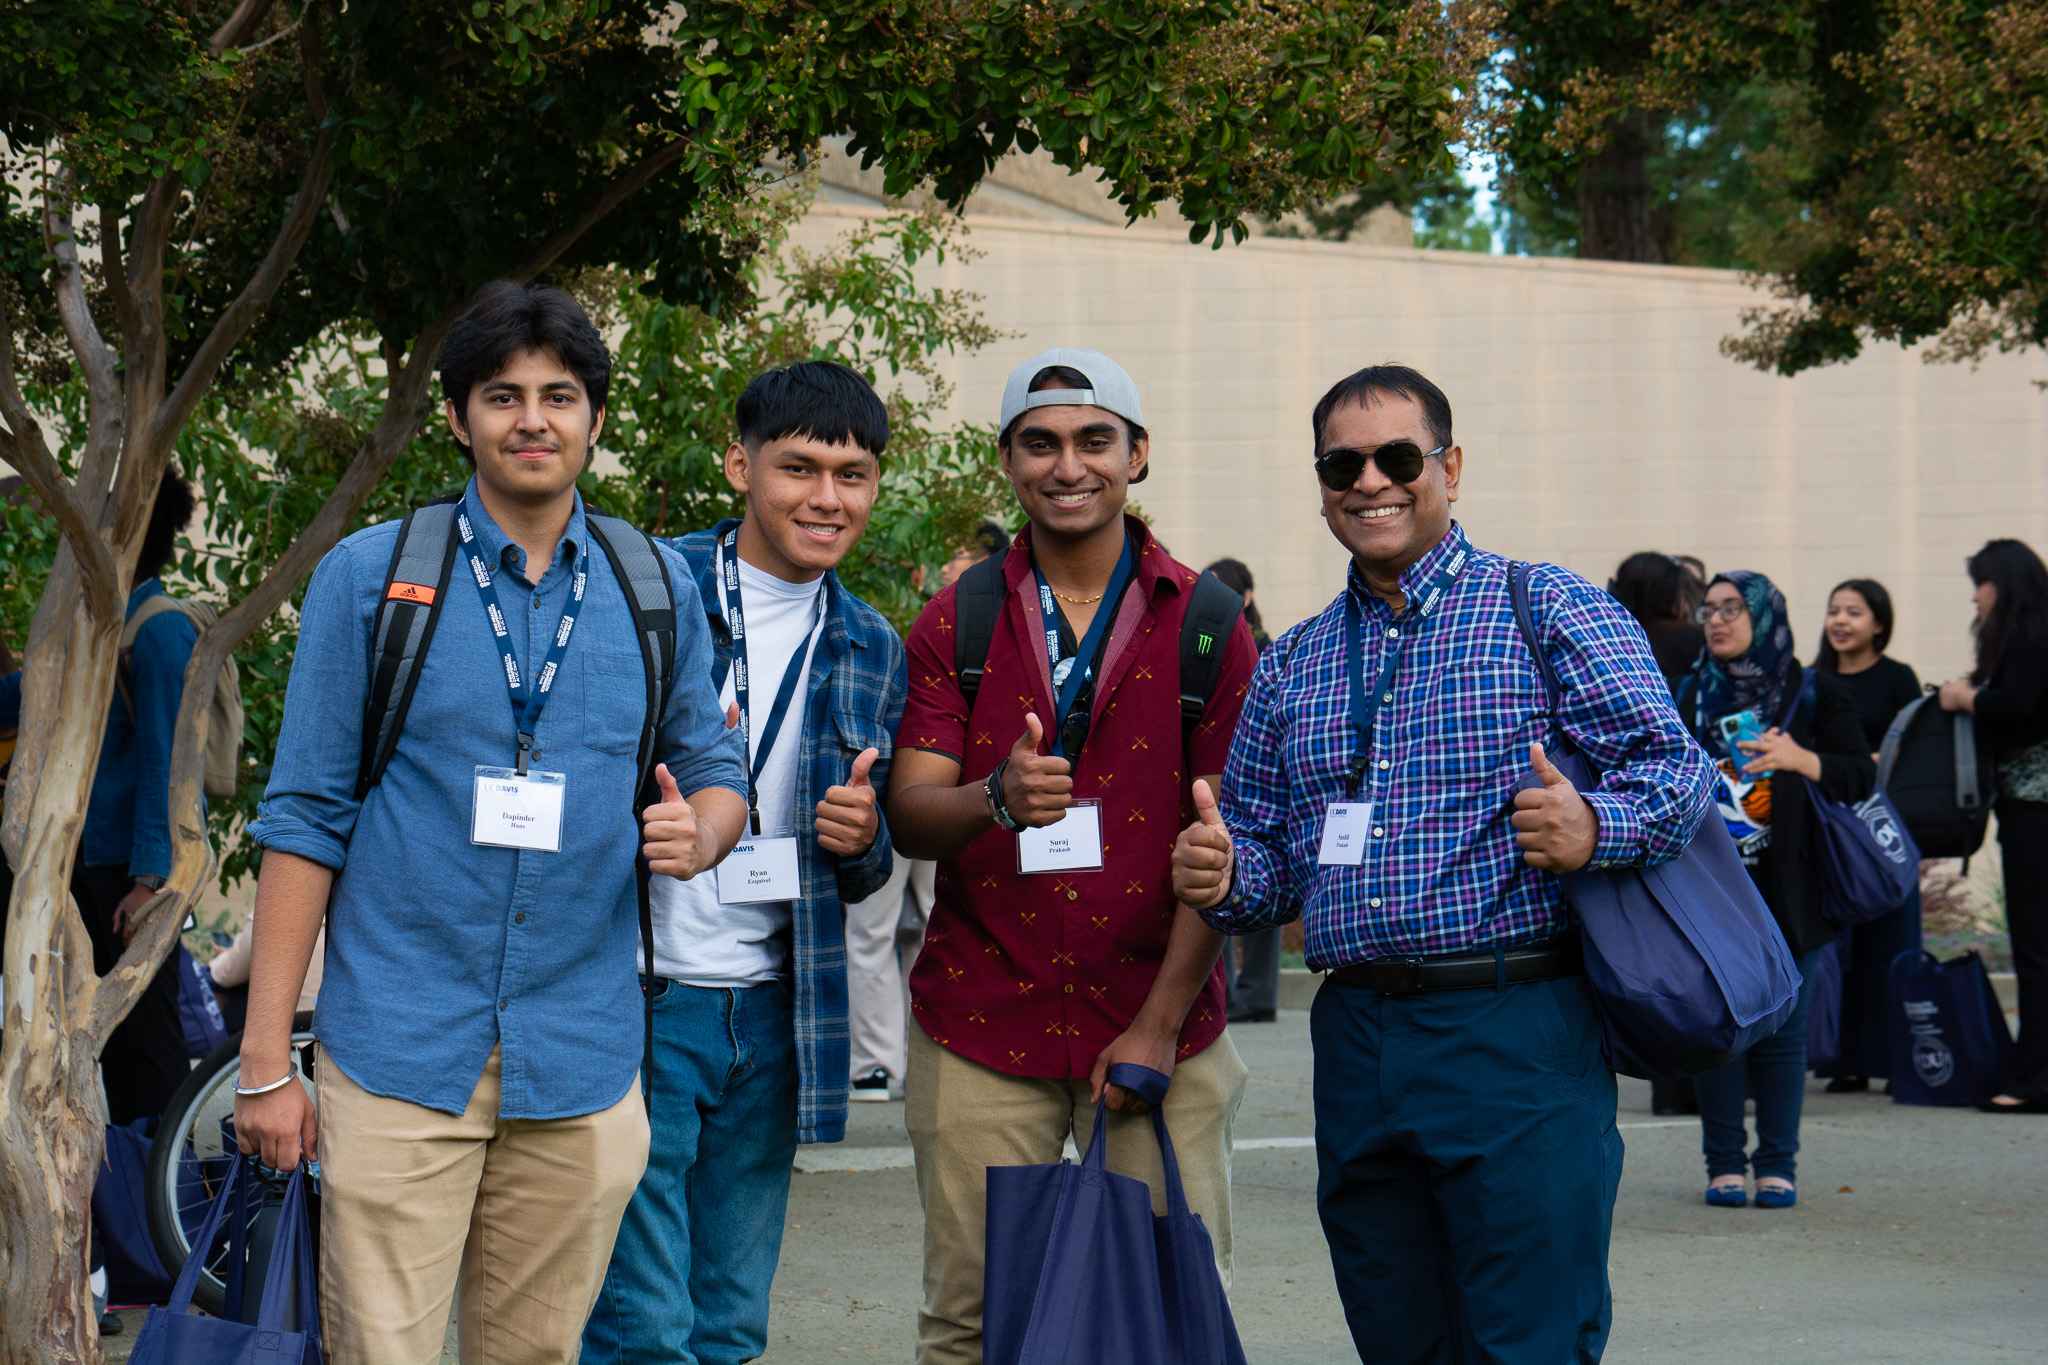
(1400, 461)
(1340, 469)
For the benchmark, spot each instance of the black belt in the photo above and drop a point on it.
(1464, 971)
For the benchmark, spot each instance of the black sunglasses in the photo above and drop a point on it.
(1400, 461)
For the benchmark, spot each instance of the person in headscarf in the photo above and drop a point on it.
(1768, 723)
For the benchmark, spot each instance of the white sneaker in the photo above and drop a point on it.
(872, 1088)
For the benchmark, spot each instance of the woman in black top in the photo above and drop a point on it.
(1859, 627)
(2008, 693)
(1748, 666)
(1664, 598)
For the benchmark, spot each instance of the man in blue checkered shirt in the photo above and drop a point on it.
(1388, 784)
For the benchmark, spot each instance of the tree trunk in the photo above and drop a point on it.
(1614, 193)
(51, 1120)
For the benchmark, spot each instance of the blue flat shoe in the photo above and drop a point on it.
(1728, 1196)
(1770, 1198)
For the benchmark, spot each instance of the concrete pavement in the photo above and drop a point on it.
(1933, 1253)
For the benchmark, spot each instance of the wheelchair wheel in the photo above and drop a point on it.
(193, 1153)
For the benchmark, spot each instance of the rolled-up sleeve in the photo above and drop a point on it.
(1256, 792)
(1656, 783)
(310, 806)
(699, 751)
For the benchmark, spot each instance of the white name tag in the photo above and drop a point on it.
(1346, 826)
(759, 869)
(1073, 843)
(518, 812)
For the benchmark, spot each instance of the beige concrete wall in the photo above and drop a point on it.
(1596, 413)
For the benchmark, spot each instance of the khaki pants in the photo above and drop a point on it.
(964, 1117)
(511, 1219)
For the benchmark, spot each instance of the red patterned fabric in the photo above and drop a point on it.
(1035, 975)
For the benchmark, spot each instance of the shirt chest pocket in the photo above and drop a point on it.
(856, 732)
(614, 701)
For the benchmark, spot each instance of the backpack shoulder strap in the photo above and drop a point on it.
(124, 672)
(1205, 630)
(1525, 622)
(637, 563)
(1894, 735)
(977, 606)
(415, 586)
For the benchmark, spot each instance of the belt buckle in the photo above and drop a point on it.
(1398, 975)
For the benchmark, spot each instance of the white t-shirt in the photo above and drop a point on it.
(696, 939)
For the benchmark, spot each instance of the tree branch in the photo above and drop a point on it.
(116, 271)
(241, 315)
(22, 439)
(615, 194)
(240, 24)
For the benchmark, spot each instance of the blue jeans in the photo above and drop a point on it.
(1776, 1068)
(697, 1249)
(1467, 1164)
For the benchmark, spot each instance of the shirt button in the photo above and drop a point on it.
(1070, 990)
(1073, 895)
(1385, 764)
(1375, 903)
(1387, 696)
(1376, 833)
(1393, 633)
(536, 603)
(521, 918)
(507, 1004)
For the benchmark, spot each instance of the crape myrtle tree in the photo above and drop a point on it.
(200, 193)
(1884, 159)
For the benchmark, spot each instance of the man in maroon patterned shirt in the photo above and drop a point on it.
(1033, 982)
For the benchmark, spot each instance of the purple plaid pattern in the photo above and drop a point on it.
(1442, 873)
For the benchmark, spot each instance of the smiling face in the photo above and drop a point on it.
(1071, 467)
(1387, 526)
(529, 428)
(1729, 629)
(1852, 628)
(807, 503)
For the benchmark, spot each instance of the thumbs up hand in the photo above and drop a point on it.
(678, 845)
(1202, 855)
(1036, 788)
(848, 819)
(1555, 827)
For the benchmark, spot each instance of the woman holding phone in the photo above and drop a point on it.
(1737, 703)
(1858, 630)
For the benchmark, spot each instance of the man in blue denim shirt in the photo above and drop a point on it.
(480, 1022)
(749, 973)
(124, 852)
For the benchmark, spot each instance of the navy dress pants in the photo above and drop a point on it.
(1468, 1162)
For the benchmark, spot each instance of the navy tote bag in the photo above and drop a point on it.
(1686, 964)
(1079, 1269)
(172, 1335)
(1950, 1044)
(120, 1214)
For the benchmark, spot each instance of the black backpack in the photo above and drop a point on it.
(416, 588)
(1931, 767)
(1213, 609)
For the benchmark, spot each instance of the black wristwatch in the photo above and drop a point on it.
(992, 788)
(153, 883)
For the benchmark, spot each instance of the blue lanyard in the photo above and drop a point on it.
(1068, 684)
(527, 703)
(1365, 706)
(742, 691)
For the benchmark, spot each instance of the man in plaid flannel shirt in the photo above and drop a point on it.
(749, 976)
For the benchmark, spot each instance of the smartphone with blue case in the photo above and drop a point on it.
(1744, 727)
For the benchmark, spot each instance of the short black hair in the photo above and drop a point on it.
(992, 539)
(1652, 586)
(171, 515)
(1374, 380)
(507, 317)
(817, 400)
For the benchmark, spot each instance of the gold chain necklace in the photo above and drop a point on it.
(1081, 601)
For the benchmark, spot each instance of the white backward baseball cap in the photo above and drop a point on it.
(1109, 388)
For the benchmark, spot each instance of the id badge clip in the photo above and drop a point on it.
(760, 868)
(1072, 843)
(515, 809)
(1346, 827)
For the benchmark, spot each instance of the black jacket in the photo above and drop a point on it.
(2013, 706)
(1787, 873)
